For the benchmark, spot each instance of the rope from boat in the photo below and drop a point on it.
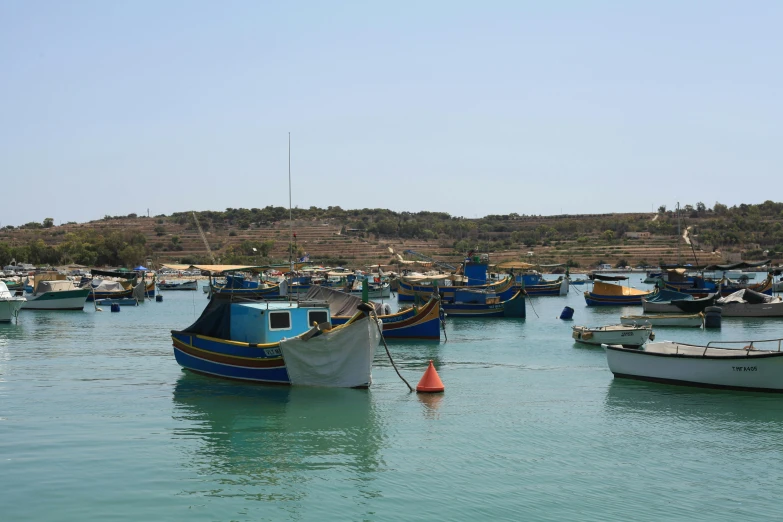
(531, 305)
(378, 324)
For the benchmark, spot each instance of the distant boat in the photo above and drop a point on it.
(704, 366)
(607, 294)
(747, 303)
(9, 304)
(51, 291)
(623, 334)
(682, 320)
(483, 303)
(661, 302)
(190, 284)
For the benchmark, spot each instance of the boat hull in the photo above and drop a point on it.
(340, 357)
(659, 308)
(186, 285)
(423, 323)
(9, 309)
(624, 336)
(682, 320)
(514, 307)
(741, 372)
(66, 300)
(752, 310)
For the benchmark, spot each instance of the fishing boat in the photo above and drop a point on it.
(422, 322)
(276, 343)
(474, 275)
(483, 303)
(10, 304)
(622, 334)
(607, 294)
(52, 291)
(696, 305)
(374, 290)
(660, 302)
(682, 320)
(535, 284)
(747, 303)
(189, 284)
(747, 368)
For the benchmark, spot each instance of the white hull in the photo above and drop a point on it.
(686, 321)
(752, 310)
(9, 309)
(626, 335)
(682, 364)
(68, 303)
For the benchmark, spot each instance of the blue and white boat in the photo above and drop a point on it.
(278, 343)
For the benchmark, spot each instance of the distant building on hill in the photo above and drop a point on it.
(637, 235)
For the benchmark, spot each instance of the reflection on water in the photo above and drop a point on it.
(747, 411)
(266, 442)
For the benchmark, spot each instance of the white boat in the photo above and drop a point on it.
(683, 320)
(669, 362)
(375, 290)
(9, 304)
(747, 303)
(50, 293)
(190, 284)
(622, 334)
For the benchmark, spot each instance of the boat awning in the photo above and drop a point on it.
(601, 277)
(739, 266)
(507, 265)
(113, 273)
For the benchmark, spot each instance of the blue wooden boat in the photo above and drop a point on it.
(276, 343)
(483, 303)
(413, 323)
(607, 294)
(474, 270)
(535, 285)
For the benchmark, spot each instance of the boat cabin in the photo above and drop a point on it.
(259, 323)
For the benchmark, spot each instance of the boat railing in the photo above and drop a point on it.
(748, 345)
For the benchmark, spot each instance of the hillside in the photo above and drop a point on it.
(363, 237)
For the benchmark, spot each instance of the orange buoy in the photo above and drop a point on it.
(430, 382)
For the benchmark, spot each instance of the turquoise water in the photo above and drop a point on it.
(98, 422)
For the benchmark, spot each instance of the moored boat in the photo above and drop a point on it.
(10, 304)
(622, 334)
(190, 284)
(661, 301)
(695, 305)
(747, 303)
(670, 362)
(682, 320)
(275, 343)
(51, 291)
(607, 294)
(483, 303)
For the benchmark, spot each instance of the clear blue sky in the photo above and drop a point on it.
(465, 107)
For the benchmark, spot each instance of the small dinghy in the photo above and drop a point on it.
(746, 368)
(623, 334)
(683, 320)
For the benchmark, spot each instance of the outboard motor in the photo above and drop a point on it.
(712, 317)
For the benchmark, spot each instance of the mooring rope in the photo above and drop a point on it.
(378, 324)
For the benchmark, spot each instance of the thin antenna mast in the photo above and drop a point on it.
(679, 234)
(290, 222)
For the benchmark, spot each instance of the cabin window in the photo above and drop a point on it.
(279, 320)
(317, 317)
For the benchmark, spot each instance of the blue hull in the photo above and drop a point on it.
(229, 360)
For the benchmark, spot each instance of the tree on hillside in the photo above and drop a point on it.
(48, 222)
(662, 209)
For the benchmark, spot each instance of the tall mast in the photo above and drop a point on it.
(290, 222)
(679, 234)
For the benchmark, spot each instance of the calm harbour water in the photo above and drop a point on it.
(98, 422)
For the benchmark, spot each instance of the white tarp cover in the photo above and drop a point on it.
(140, 291)
(746, 295)
(4, 293)
(54, 286)
(338, 359)
(109, 286)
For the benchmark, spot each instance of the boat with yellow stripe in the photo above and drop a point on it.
(280, 343)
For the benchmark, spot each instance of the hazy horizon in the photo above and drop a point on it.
(526, 107)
